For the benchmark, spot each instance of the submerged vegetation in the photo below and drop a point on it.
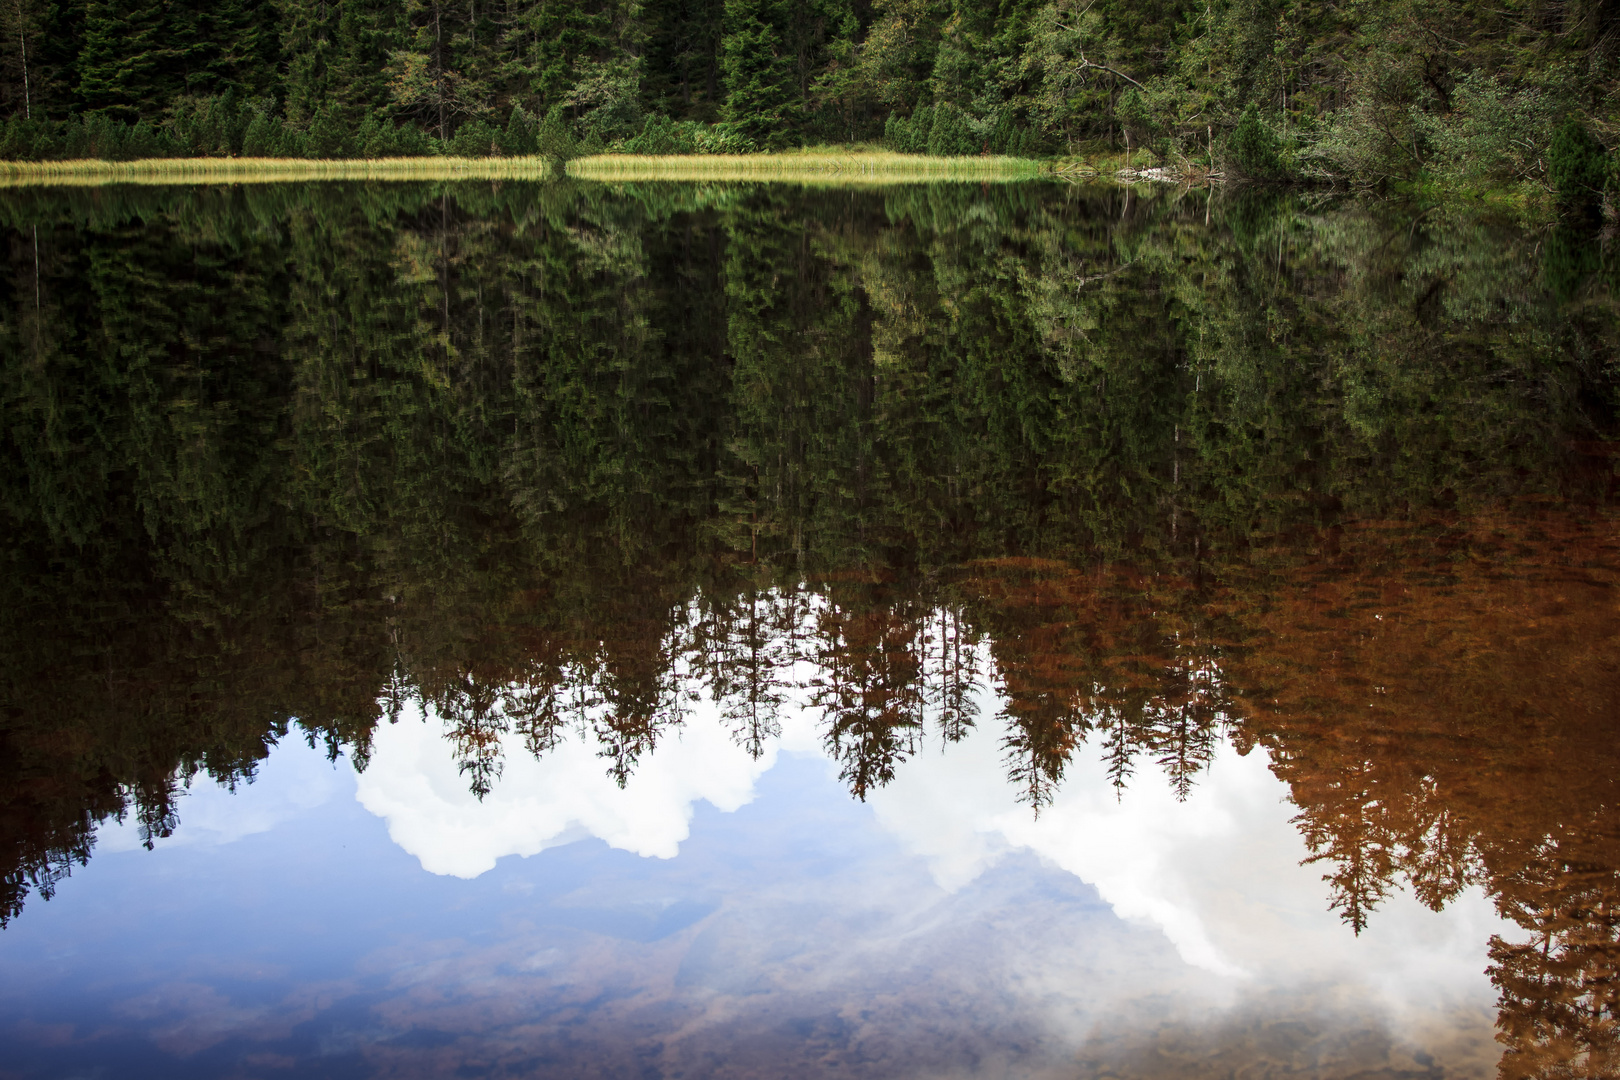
(1465, 96)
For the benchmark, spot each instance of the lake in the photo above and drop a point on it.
(505, 629)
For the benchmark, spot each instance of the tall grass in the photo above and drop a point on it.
(810, 166)
(267, 170)
(880, 167)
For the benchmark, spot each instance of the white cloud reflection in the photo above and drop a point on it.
(414, 784)
(1220, 874)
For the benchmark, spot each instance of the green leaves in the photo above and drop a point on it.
(1578, 167)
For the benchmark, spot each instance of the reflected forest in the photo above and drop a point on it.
(1160, 470)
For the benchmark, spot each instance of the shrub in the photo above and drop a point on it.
(146, 140)
(330, 135)
(30, 140)
(475, 138)
(1254, 149)
(552, 138)
(1577, 167)
(206, 126)
(658, 136)
(1493, 134)
(520, 138)
(909, 135)
(952, 134)
(264, 136)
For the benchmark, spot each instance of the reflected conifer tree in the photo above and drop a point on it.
(551, 461)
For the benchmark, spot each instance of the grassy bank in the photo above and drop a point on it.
(876, 167)
(267, 170)
(808, 166)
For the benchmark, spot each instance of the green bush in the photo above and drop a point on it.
(520, 138)
(909, 135)
(379, 137)
(1577, 166)
(660, 135)
(552, 139)
(476, 139)
(1493, 133)
(264, 135)
(1254, 149)
(952, 134)
(29, 140)
(207, 126)
(330, 134)
(1012, 138)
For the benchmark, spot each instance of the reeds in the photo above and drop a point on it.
(804, 167)
(267, 170)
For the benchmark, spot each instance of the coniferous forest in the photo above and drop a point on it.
(1460, 93)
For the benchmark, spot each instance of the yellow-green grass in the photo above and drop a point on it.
(803, 167)
(811, 166)
(267, 170)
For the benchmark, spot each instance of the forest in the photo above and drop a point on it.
(1460, 93)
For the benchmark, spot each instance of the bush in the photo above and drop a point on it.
(520, 138)
(330, 134)
(207, 127)
(1012, 138)
(28, 140)
(1492, 135)
(552, 139)
(1577, 167)
(475, 139)
(379, 137)
(661, 135)
(658, 136)
(264, 136)
(952, 134)
(146, 140)
(909, 135)
(96, 136)
(1254, 149)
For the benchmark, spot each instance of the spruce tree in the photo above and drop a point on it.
(121, 70)
(757, 73)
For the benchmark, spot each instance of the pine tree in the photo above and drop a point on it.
(122, 68)
(307, 28)
(757, 73)
(682, 74)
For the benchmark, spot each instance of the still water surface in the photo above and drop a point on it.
(744, 631)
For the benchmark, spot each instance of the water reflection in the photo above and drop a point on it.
(1072, 533)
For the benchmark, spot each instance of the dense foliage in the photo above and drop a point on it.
(1466, 92)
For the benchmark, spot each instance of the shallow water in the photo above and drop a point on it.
(741, 630)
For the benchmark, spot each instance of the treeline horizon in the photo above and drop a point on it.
(1456, 92)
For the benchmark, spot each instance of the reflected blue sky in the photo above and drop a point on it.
(724, 916)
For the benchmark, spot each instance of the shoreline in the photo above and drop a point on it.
(804, 166)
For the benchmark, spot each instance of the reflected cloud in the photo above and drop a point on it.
(1224, 873)
(565, 795)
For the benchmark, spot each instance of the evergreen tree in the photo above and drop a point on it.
(123, 70)
(757, 72)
